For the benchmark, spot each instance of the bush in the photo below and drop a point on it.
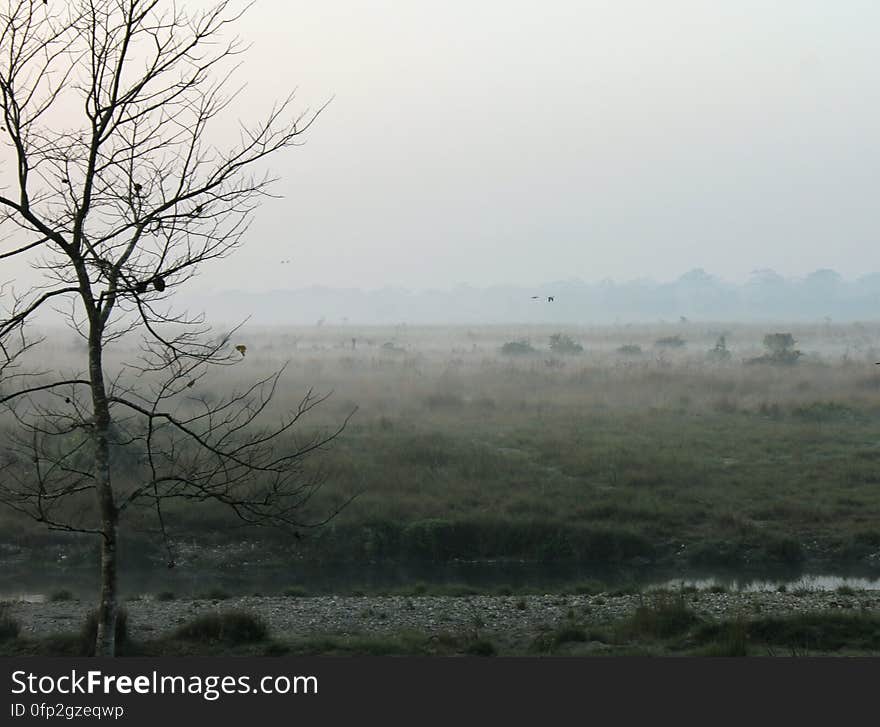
(550, 641)
(719, 352)
(819, 631)
(779, 343)
(784, 550)
(568, 634)
(630, 350)
(560, 343)
(232, 627)
(663, 619)
(670, 342)
(726, 639)
(781, 350)
(61, 595)
(517, 348)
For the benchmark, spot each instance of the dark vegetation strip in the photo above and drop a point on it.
(666, 626)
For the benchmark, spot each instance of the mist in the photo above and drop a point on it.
(494, 144)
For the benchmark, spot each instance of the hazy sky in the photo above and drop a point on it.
(491, 142)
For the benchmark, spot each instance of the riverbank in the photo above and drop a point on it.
(513, 624)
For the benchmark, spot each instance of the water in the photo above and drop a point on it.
(809, 582)
(20, 582)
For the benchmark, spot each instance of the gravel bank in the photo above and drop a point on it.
(508, 617)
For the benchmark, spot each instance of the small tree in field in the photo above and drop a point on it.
(781, 348)
(112, 190)
(562, 344)
(720, 352)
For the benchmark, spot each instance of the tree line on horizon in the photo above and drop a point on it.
(822, 296)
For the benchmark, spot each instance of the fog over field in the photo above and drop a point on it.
(494, 303)
(823, 295)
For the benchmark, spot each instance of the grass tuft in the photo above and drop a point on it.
(231, 627)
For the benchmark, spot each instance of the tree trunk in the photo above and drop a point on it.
(105, 643)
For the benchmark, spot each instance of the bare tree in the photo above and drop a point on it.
(113, 191)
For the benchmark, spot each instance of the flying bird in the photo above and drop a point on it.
(535, 297)
(550, 298)
(241, 349)
(159, 283)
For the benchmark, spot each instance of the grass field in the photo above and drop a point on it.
(460, 452)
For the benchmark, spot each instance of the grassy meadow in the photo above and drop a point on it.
(668, 453)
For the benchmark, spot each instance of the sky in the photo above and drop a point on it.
(490, 143)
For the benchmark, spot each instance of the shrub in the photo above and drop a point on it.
(630, 350)
(232, 627)
(662, 619)
(820, 631)
(549, 641)
(780, 347)
(670, 342)
(560, 343)
(784, 550)
(517, 348)
(779, 343)
(719, 352)
(60, 595)
(567, 634)
(725, 639)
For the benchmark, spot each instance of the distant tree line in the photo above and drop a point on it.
(697, 295)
